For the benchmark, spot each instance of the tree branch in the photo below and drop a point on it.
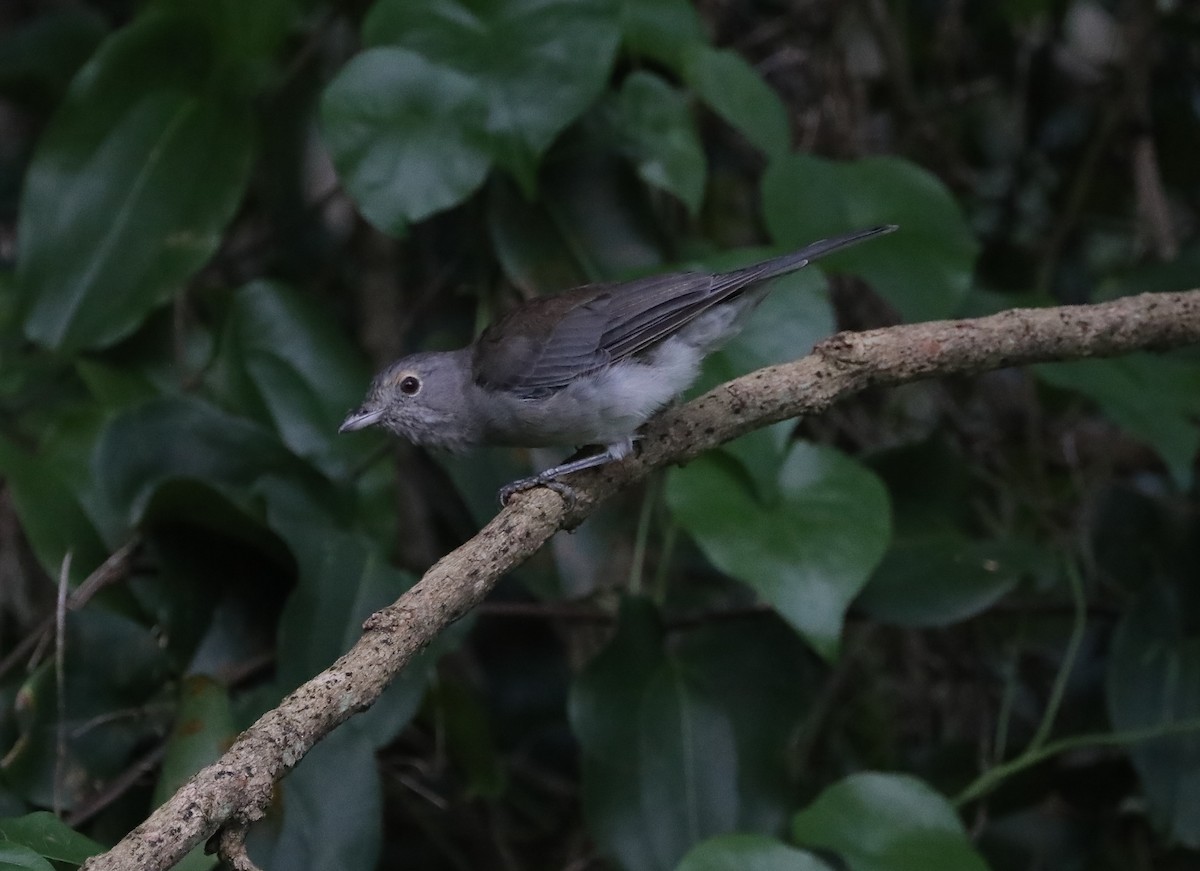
(238, 787)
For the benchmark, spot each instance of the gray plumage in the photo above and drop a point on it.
(584, 367)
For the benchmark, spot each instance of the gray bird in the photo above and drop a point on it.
(583, 367)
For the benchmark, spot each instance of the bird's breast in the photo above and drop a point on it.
(599, 408)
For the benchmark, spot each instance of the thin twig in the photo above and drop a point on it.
(112, 569)
(60, 680)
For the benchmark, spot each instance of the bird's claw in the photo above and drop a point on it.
(564, 490)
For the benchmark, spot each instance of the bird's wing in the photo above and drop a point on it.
(545, 344)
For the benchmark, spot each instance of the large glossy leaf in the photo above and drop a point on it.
(49, 836)
(136, 177)
(405, 133)
(592, 222)
(173, 439)
(785, 326)
(942, 578)
(51, 514)
(809, 551)
(290, 359)
(924, 269)
(727, 83)
(655, 127)
(38, 60)
(664, 30)
(749, 853)
(538, 64)
(343, 579)
(331, 806)
(1154, 681)
(1156, 398)
(887, 822)
(677, 745)
(17, 857)
(202, 731)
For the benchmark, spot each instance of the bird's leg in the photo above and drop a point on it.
(549, 477)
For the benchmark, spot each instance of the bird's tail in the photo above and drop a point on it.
(786, 263)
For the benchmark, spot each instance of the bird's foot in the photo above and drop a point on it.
(566, 491)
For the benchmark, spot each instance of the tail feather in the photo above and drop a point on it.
(786, 263)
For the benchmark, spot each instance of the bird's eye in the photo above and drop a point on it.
(410, 385)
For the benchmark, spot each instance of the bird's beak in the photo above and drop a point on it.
(360, 419)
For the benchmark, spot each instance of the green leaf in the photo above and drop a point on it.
(49, 837)
(332, 808)
(735, 91)
(343, 579)
(785, 326)
(172, 439)
(296, 364)
(677, 745)
(658, 133)
(1153, 681)
(152, 157)
(537, 64)
(14, 857)
(203, 730)
(809, 552)
(112, 665)
(942, 578)
(749, 853)
(887, 822)
(51, 514)
(1155, 398)
(663, 30)
(405, 135)
(924, 269)
(591, 222)
(38, 60)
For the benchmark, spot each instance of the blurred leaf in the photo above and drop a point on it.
(466, 721)
(49, 836)
(247, 35)
(656, 126)
(136, 176)
(51, 514)
(677, 744)
(924, 269)
(749, 853)
(203, 730)
(809, 552)
(553, 61)
(942, 578)
(38, 60)
(173, 439)
(1153, 681)
(661, 29)
(14, 857)
(785, 326)
(114, 668)
(299, 367)
(1156, 398)
(405, 134)
(331, 806)
(727, 83)
(592, 222)
(343, 579)
(887, 822)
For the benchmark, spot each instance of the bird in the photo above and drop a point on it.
(585, 367)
